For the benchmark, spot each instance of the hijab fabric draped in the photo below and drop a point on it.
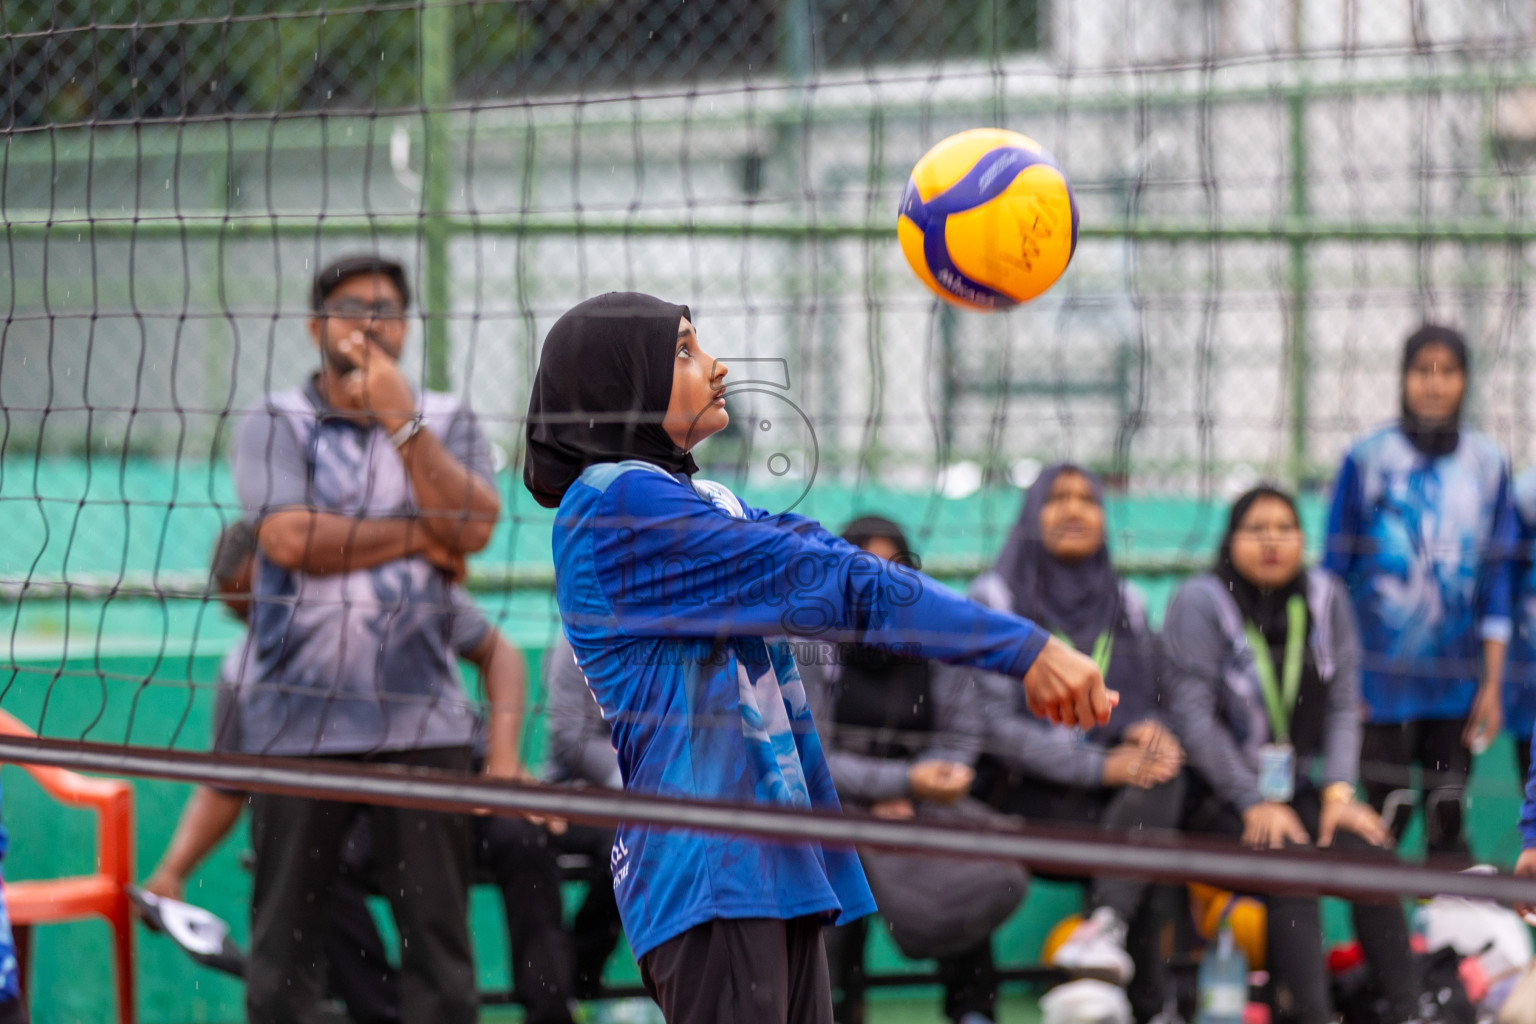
(1080, 600)
(601, 392)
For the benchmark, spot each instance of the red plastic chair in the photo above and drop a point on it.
(67, 899)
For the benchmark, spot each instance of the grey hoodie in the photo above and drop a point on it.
(1215, 694)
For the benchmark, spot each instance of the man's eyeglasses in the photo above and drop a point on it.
(357, 309)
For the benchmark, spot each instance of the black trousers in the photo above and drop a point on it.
(596, 929)
(747, 971)
(969, 978)
(423, 868)
(1387, 753)
(520, 858)
(360, 973)
(1294, 929)
(1155, 926)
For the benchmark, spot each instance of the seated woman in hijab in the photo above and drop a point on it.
(898, 731)
(1264, 682)
(1055, 567)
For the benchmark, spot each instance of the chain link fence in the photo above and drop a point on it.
(1271, 198)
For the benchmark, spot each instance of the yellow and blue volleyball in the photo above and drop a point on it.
(988, 219)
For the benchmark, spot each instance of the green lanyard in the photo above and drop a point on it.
(1281, 702)
(1103, 649)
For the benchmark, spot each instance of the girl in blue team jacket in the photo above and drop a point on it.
(1421, 531)
(1520, 677)
(672, 594)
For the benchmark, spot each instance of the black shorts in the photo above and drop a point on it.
(747, 971)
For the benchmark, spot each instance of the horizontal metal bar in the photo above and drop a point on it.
(1077, 852)
(21, 225)
(192, 585)
(767, 101)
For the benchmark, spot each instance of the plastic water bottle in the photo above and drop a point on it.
(1223, 981)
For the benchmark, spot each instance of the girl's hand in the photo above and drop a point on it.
(1485, 721)
(1525, 867)
(1132, 765)
(1155, 737)
(1270, 825)
(899, 809)
(1064, 686)
(1352, 816)
(940, 781)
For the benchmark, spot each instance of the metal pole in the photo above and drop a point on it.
(436, 56)
(1069, 850)
(1299, 283)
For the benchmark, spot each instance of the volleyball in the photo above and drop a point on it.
(988, 219)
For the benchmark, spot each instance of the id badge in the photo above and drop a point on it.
(1277, 772)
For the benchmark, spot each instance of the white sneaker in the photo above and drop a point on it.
(1098, 944)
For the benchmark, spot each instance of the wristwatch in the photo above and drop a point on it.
(1339, 793)
(406, 432)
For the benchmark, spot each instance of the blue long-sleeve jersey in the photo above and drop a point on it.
(1424, 545)
(672, 594)
(1520, 677)
(1528, 809)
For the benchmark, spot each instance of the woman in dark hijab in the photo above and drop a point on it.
(1263, 678)
(1055, 568)
(602, 392)
(668, 589)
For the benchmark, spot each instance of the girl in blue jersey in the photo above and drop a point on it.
(1421, 531)
(1520, 679)
(672, 594)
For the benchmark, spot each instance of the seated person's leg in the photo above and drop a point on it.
(1294, 941)
(1381, 927)
(1103, 941)
(596, 930)
(970, 982)
(1293, 926)
(845, 947)
(521, 857)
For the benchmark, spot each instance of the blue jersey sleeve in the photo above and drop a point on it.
(1344, 527)
(670, 563)
(1528, 809)
(1496, 573)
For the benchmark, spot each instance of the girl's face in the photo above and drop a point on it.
(1072, 520)
(697, 408)
(883, 547)
(1434, 384)
(1267, 545)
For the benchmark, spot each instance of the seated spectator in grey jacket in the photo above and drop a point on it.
(897, 731)
(580, 751)
(1264, 681)
(1055, 568)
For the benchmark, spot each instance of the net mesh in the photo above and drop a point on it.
(1271, 197)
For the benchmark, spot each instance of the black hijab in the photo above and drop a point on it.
(603, 386)
(1433, 439)
(860, 532)
(1264, 608)
(1080, 599)
(884, 705)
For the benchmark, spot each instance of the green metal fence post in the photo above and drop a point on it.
(1298, 360)
(436, 57)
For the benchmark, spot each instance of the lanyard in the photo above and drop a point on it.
(1281, 702)
(1103, 649)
